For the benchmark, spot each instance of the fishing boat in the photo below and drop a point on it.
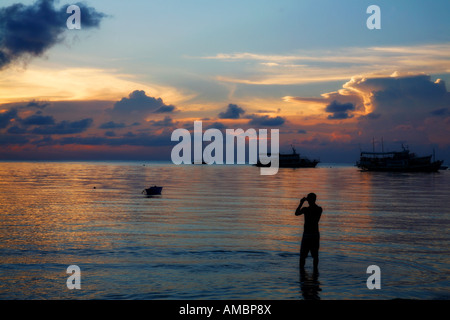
(404, 160)
(292, 160)
(152, 191)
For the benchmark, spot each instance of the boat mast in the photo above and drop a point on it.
(293, 149)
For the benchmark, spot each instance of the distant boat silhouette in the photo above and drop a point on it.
(292, 160)
(397, 161)
(153, 190)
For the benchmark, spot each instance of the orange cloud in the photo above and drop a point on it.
(58, 84)
(308, 66)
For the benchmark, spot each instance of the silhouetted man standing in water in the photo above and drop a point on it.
(311, 235)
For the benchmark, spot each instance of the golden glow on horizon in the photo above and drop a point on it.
(53, 84)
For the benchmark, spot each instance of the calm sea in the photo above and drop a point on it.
(218, 232)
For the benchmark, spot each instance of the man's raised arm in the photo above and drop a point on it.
(299, 208)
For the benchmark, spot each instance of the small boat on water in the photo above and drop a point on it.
(292, 160)
(152, 191)
(403, 161)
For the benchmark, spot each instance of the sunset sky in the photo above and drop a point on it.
(136, 70)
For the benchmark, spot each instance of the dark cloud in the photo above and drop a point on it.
(301, 131)
(409, 96)
(16, 130)
(233, 112)
(127, 139)
(130, 134)
(394, 97)
(370, 116)
(112, 125)
(339, 107)
(166, 122)
(30, 30)
(339, 110)
(6, 117)
(38, 123)
(188, 126)
(13, 139)
(90, 17)
(266, 120)
(216, 125)
(34, 104)
(440, 112)
(165, 109)
(138, 104)
(412, 108)
(64, 127)
(414, 88)
(38, 119)
(339, 116)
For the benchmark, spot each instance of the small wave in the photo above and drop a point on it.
(288, 254)
(219, 252)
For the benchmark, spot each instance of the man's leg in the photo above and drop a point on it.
(304, 249)
(302, 261)
(316, 262)
(315, 254)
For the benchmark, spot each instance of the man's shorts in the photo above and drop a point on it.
(310, 243)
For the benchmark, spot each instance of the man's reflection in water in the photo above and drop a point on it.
(310, 285)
